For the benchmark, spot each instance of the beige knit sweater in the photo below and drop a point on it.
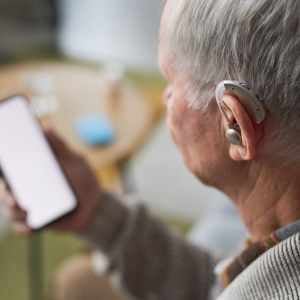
(155, 263)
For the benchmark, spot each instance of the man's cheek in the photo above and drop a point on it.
(172, 129)
(172, 126)
(176, 131)
(177, 112)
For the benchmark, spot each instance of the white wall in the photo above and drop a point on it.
(120, 30)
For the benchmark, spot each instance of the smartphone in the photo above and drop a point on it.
(29, 166)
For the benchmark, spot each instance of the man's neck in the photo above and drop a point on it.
(270, 200)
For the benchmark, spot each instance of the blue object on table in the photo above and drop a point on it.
(95, 130)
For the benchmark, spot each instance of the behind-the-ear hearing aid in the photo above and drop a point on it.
(248, 99)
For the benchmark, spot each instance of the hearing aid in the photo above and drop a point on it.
(234, 137)
(248, 99)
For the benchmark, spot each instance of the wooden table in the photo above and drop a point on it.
(80, 90)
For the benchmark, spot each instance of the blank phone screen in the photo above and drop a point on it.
(30, 167)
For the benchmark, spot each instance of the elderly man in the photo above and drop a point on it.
(241, 139)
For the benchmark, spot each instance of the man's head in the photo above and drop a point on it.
(204, 42)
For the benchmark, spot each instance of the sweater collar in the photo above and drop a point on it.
(229, 269)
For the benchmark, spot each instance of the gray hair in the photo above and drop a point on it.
(246, 40)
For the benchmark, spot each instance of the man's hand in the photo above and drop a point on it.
(82, 180)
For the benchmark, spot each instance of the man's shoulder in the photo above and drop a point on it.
(274, 275)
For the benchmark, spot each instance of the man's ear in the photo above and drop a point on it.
(235, 117)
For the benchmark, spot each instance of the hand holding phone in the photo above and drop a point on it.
(47, 185)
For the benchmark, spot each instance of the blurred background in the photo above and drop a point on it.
(118, 31)
(75, 59)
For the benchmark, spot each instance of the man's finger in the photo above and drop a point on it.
(18, 216)
(57, 143)
(22, 229)
(15, 212)
(3, 190)
(10, 201)
(60, 148)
